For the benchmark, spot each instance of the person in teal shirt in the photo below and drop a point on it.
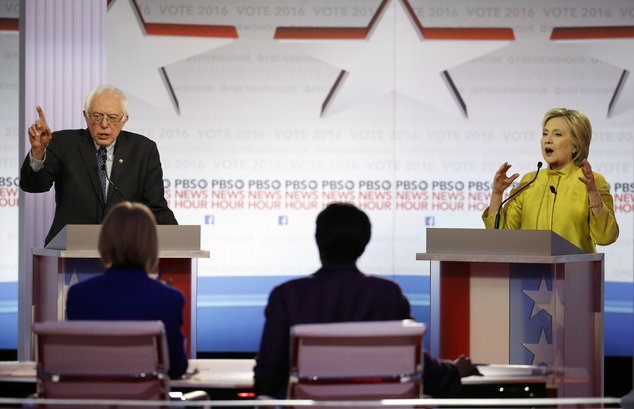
(567, 197)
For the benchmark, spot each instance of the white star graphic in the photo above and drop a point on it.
(607, 44)
(395, 57)
(542, 299)
(136, 61)
(542, 351)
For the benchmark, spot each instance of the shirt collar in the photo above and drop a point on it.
(109, 148)
(568, 170)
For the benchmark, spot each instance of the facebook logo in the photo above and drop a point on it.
(430, 221)
(282, 220)
(209, 219)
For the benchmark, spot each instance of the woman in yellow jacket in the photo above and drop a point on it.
(567, 197)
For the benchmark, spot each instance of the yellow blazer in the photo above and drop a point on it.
(567, 212)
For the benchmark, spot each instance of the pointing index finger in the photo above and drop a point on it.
(41, 115)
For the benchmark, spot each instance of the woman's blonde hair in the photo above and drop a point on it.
(128, 237)
(580, 130)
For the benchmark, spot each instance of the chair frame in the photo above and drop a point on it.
(152, 329)
(359, 331)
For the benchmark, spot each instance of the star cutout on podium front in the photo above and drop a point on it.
(137, 61)
(395, 53)
(542, 299)
(542, 351)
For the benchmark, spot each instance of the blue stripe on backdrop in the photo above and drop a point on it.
(9, 315)
(618, 319)
(231, 312)
(235, 305)
(231, 309)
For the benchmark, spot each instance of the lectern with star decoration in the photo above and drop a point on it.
(518, 297)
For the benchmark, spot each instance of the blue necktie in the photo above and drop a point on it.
(101, 166)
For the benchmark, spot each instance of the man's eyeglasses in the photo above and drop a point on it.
(112, 119)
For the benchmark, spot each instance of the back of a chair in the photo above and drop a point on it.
(357, 360)
(102, 360)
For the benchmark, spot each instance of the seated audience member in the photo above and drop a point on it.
(128, 245)
(339, 292)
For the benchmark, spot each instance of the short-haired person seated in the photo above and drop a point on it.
(339, 292)
(128, 245)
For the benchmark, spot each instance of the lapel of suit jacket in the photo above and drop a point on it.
(89, 157)
(121, 150)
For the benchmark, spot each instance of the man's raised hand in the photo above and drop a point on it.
(39, 136)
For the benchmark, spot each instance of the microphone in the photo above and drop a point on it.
(497, 216)
(552, 189)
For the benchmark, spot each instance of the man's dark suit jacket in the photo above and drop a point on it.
(130, 294)
(335, 293)
(71, 163)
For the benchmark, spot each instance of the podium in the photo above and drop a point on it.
(72, 256)
(521, 297)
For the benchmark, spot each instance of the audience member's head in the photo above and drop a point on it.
(343, 231)
(128, 237)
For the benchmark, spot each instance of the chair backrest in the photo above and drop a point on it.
(101, 360)
(357, 360)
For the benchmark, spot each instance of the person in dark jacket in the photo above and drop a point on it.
(128, 245)
(94, 168)
(339, 292)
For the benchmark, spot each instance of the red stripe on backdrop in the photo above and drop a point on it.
(318, 33)
(588, 33)
(191, 30)
(9, 24)
(435, 33)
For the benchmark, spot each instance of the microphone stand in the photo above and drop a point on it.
(552, 211)
(497, 215)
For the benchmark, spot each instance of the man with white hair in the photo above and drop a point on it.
(94, 168)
